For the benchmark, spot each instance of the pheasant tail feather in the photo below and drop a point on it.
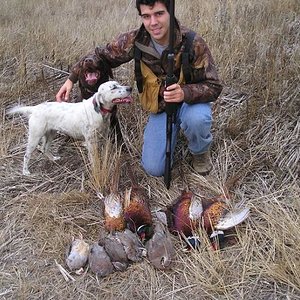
(233, 218)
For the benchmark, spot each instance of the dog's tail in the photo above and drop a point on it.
(24, 110)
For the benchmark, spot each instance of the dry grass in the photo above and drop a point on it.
(256, 140)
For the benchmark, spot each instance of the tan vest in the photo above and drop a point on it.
(151, 87)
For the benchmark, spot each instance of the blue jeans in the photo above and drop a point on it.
(195, 120)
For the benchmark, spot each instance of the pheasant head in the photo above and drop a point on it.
(137, 213)
(184, 217)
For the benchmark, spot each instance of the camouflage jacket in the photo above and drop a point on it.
(205, 85)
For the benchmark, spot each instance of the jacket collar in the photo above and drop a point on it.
(143, 39)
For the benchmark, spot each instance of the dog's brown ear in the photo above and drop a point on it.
(105, 67)
(109, 70)
(110, 73)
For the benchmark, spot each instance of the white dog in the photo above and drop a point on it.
(78, 120)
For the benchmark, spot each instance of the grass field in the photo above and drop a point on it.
(256, 46)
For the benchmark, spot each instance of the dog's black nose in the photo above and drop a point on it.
(88, 60)
(129, 89)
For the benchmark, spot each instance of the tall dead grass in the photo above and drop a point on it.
(256, 146)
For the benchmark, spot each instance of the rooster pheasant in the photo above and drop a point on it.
(137, 211)
(188, 213)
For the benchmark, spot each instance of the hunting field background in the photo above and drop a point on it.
(256, 132)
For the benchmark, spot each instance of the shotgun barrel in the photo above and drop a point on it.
(171, 108)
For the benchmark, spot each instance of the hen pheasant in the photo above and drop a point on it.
(160, 248)
(77, 255)
(99, 261)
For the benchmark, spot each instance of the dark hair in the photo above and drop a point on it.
(151, 3)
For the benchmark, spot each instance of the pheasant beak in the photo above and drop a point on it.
(163, 261)
(192, 243)
(142, 236)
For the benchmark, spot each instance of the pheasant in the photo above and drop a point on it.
(188, 212)
(77, 255)
(160, 249)
(136, 210)
(99, 261)
(121, 244)
(218, 217)
(184, 217)
(137, 213)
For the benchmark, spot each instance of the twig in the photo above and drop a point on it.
(64, 272)
(55, 69)
(9, 241)
(125, 14)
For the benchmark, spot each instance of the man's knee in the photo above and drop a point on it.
(200, 124)
(153, 167)
(195, 116)
(196, 120)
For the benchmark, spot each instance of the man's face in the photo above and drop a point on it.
(156, 20)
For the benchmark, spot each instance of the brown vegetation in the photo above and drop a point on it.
(256, 140)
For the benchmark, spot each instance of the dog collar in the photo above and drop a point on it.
(105, 110)
(100, 108)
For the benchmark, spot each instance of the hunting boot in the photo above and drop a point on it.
(201, 163)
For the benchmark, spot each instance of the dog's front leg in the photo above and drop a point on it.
(25, 163)
(91, 144)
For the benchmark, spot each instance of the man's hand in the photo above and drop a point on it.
(174, 93)
(64, 92)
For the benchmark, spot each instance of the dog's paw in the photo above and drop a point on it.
(40, 148)
(26, 172)
(51, 157)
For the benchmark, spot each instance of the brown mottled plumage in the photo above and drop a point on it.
(114, 248)
(132, 245)
(99, 261)
(77, 255)
(113, 213)
(160, 248)
(212, 215)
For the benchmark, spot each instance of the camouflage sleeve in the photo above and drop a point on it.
(119, 51)
(205, 86)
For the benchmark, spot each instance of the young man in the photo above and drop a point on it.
(193, 95)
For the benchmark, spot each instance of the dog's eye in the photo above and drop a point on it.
(114, 87)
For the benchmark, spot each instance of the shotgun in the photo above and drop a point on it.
(171, 108)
